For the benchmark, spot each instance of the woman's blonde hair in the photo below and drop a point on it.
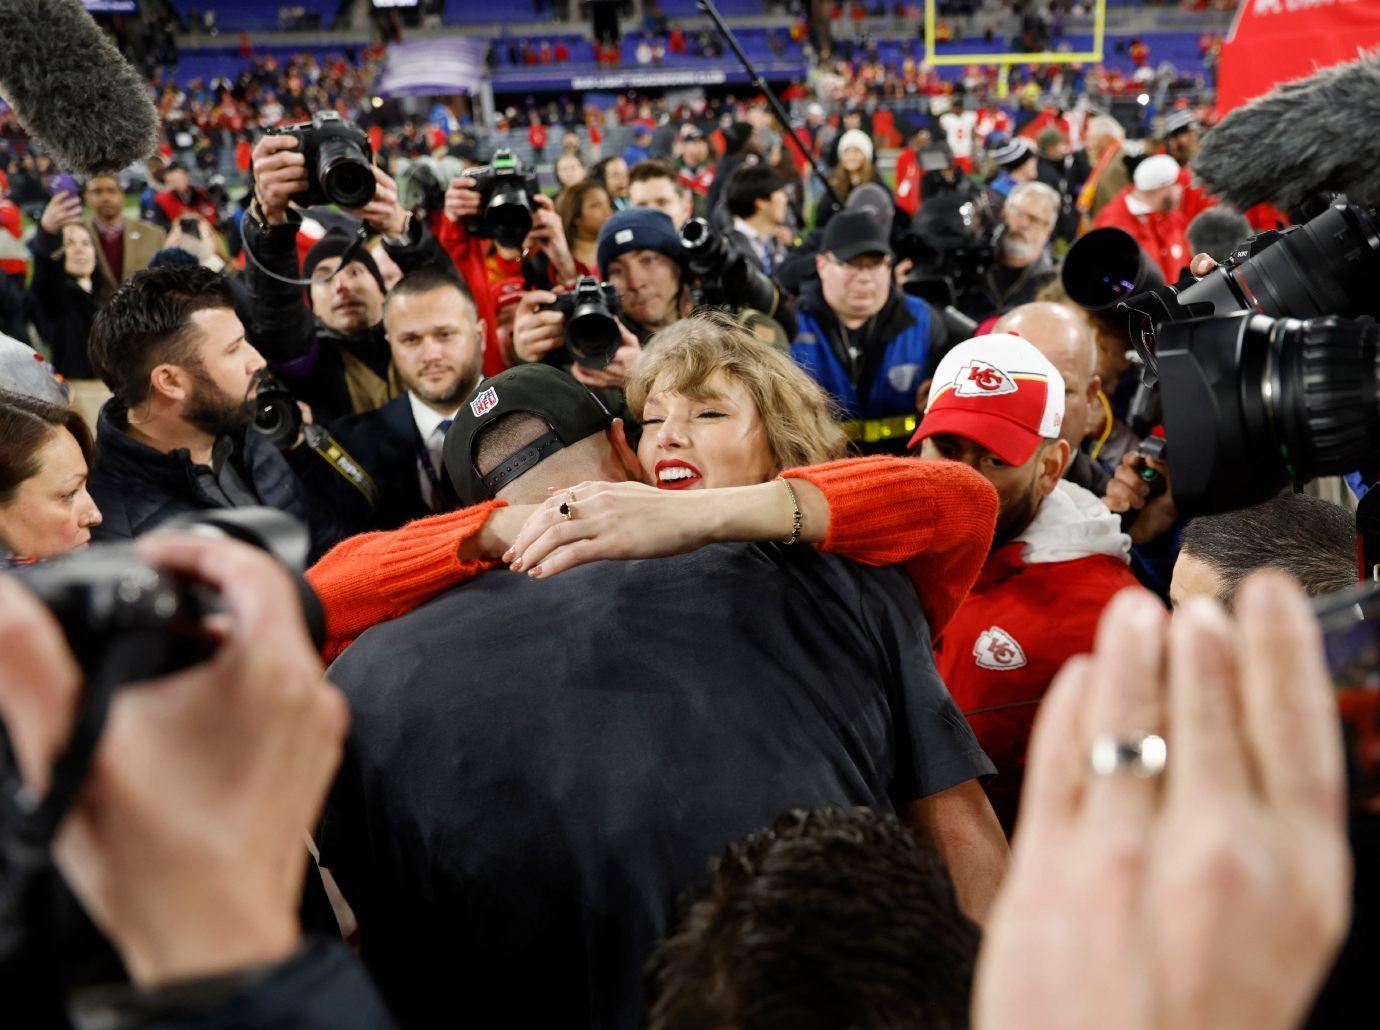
(797, 415)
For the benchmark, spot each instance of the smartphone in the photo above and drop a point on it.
(190, 227)
(1350, 621)
(63, 184)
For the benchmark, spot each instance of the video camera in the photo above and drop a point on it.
(591, 332)
(339, 157)
(1262, 367)
(505, 190)
(722, 275)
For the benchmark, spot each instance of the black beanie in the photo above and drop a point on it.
(335, 244)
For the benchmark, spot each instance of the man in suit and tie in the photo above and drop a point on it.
(437, 343)
(124, 245)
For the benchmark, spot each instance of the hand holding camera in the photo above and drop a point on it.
(204, 782)
(462, 199)
(63, 209)
(280, 174)
(538, 328)
(548, 236)
(327, 160)
(384, 214)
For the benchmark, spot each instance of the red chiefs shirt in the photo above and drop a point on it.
(1022, 620)
(1160, 233)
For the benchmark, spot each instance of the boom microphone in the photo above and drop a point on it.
(72, 89)
(1300, 142)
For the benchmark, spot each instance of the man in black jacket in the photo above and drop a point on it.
(174, 438)
(335, 355)
(437, 344)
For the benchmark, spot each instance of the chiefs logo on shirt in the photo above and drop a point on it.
(979, 379)
(997, 649)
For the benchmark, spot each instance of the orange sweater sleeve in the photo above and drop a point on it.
(374, 577)
(934, 517)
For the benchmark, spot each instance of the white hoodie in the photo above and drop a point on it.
(1073, 523)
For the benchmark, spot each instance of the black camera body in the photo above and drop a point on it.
(722, 276)
(506, 191)
(340, 167)
(591, 332)
(276, 414)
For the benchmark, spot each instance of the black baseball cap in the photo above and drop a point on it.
(570, 412)
(851, 233)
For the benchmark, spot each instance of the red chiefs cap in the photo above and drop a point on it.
(998, 391)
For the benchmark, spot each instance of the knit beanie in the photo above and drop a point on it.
(856, 138)
(638, 228)
(335, 244)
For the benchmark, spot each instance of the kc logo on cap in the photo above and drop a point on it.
(982, 379)
(999, 392)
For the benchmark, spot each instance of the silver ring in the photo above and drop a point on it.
(1141, 754)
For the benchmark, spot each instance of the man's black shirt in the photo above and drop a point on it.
(537, 769)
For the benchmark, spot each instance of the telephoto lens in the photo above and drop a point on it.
(1260, 402)
(276, 414)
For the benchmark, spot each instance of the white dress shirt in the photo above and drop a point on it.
(433, 437)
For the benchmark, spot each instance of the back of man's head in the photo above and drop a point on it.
(595, 459)
(1310, 539)
(1217, 231)
(828, 918)
(148, 322)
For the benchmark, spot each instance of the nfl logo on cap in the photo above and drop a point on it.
(999, 392)
(486, 401)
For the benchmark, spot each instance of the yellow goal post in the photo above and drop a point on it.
(1093, 56)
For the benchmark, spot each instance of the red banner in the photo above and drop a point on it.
(1274, 41)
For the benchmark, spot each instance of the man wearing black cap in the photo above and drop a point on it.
(335, 355)
(537, 768)
(868, 343)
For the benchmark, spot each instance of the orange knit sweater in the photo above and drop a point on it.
(934, 517)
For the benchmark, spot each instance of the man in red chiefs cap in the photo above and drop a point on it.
(996, 403)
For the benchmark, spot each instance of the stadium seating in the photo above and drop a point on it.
(255, 15)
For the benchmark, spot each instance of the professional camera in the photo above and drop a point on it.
(276, 414)
(506, 190)
(1328, 266)
(423, 181)
(964, 237)
(339, 160)
(1260, 402)
(590, 330)
(722, 275)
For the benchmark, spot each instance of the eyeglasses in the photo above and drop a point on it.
(865, 264)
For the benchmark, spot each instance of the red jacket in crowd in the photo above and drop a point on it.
(1160, 233)
(10, 220)
(908, 176)
(197, 202)
(471, 257)
(1035, 604)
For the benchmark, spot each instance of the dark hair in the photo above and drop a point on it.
(147, 322)
(826, 919)
(504, 437)
(26, 424)
(1312, 540)
(1217, 231)
(656, 168)
(748, 185)
(571, 203)
(428, 280)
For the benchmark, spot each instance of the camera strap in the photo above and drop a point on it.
(337, 457)
(351, 252)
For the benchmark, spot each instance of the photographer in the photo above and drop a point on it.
(175, 436)
(488, 267)
(333, 354)
(1023, 265)
(241, 748)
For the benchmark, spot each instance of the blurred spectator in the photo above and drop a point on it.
(125, 244)
(180, 197)
(1149, 209)
(657, 184)
(757, 200)
(1217, 231)
(855, 168)
(1016, 163)
(909, 171)
(1311, 540)
(45, 454)
(583, 209)
(696, 173)
(766, 936)
(612, 174)
(569, 170)
(1104, 146)
(1024, 264)
(641, 146)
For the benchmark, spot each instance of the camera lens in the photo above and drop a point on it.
(1105, 267)
(345, 174)
(1316, 270)
(509, 216)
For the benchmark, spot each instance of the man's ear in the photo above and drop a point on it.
(627, 457)
(1053, 460)
(171, 382)
(1094, 388)
(481, 335)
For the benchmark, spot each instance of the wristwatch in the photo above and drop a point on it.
(403, 238)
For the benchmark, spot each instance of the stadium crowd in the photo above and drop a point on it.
(744, 514)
